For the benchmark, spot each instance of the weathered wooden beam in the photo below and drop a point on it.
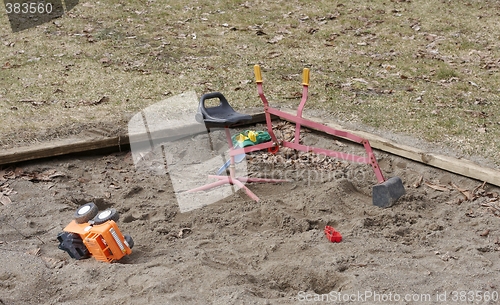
(85, 143)
(462, 167)
(58, 148)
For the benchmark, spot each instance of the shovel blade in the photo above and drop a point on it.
(388, 192)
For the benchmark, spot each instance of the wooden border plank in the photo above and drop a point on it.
(462, 167)
(86, 144)
(58, 148)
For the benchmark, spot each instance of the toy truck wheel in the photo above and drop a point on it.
(129, 240)
(86, 212)
(109, 214)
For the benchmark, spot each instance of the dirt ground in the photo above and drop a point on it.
(443, 236)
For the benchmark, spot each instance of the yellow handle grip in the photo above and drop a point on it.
(305, 77)
(258, 74)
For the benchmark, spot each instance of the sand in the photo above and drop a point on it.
(434, 246)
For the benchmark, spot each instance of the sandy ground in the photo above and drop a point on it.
(237, 251)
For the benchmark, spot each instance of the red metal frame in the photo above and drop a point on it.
(274, 144)
(300, 121)
(232, 179)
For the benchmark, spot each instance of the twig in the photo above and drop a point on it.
(490, 206)
(479, 187)
(27, 237)
(16, 229)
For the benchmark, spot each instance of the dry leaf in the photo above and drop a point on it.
(18, 172)
(34, 103)
(103, 99)
(5, 200)
(45, 176)
(57, 175)
(113, 186)
(34, 252)
(274, 54)
(49, 172)
(312, 30)
(477, 114)
(473, 84)
(468, 195)
(446, 257)
(493, 194)
(53, 263)
(479, 190)
(456, 201)
(437, 187)
(418, 183)
(275, 39)
(338, 143)
(457, 188)
(482, 130)
(183, 231)
(6, 190)
(470, 214)
(82, 180)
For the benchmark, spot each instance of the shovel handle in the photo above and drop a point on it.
(305, 77)
(258, 74)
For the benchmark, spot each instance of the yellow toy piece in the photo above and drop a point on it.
(252, 135)
(241, 138)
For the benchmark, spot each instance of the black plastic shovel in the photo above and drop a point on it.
(386, 193)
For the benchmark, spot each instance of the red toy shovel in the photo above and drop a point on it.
(333, 235)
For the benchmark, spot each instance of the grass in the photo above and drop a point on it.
(428, 69)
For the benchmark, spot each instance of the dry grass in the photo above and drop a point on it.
(423, 68)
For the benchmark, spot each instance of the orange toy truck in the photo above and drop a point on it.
(95, 234)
